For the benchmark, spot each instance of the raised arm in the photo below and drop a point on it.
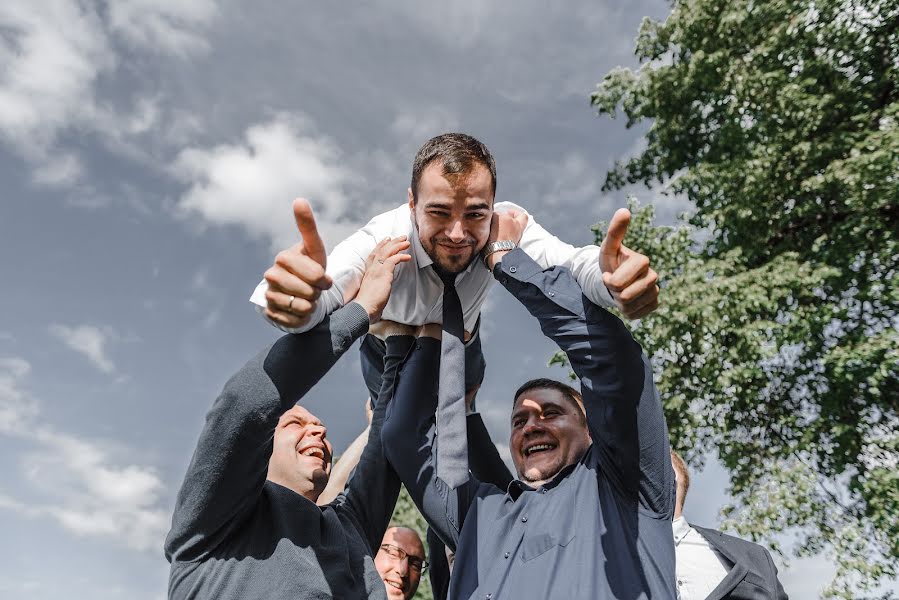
(228, 468)
(227, 473)
(346, 464)
(410, 443)
(483, 458)
(624, 413)
(374, 486)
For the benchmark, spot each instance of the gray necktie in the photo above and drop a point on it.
(452, 442)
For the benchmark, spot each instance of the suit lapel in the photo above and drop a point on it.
(734, 576)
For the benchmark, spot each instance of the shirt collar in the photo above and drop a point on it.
(517, 487)
(421, 257)
(680, 528)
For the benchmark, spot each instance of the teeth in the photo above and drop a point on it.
(314, 452)
(394, 584)
(538, 448)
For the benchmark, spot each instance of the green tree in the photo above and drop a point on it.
(776, 345)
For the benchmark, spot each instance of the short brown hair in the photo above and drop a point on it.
(683, 475)
(458, 152)
(542, 383)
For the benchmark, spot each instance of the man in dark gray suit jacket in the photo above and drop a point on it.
(712, 565)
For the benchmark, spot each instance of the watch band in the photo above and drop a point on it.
(497, 246)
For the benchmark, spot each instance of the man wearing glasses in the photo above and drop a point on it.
(400, 562)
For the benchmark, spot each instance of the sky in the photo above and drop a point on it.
(149, 154)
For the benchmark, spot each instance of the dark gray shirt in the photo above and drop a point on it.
(236, 535)
(602, 527)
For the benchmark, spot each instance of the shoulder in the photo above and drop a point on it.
(733, 544)
(502, 207)
(391, 223)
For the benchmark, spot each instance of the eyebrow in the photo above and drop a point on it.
(479, 206)
(543, 408)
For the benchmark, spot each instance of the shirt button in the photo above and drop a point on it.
(488, 596)
(513, 269)
(552, 293)
(506, 555)
(524, 519)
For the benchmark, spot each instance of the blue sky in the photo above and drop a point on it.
(149, 152)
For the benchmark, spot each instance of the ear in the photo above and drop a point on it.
(411, 199)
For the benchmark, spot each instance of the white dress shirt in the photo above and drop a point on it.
(417, 294)
(700, 568)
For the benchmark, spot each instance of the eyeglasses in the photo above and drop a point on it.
(415, 562)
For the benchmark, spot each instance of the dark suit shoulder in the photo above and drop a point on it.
(755, 556)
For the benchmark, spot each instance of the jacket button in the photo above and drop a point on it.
(513, 269)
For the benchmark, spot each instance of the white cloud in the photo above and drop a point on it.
(54, 52)
(163, 25)
(87, 340)
(252, 184)
(88, 491)
(16, 408)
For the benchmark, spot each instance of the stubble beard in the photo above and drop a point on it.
(440, 265)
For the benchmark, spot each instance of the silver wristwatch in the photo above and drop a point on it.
(497, 246)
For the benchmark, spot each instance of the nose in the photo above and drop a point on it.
(533, 425)
(318, 430)
(402, 567)
(456, 232)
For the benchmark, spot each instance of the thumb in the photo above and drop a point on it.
(611, 245)
(313, 245)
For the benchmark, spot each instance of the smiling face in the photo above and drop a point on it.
(301, 457)
(549, 432)
(399, 562)
(452, 214)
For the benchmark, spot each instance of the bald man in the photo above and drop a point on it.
(400, 562)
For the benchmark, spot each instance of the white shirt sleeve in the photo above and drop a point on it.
(346, 265)
(547, 250)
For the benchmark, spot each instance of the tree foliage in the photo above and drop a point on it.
(776, 345)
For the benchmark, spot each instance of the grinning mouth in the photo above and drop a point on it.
(314, 451)
(395, 585)
(538, 448)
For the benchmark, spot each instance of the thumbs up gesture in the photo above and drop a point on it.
(626, 274)
(297, 278)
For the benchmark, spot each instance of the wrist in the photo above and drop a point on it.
(495, 257)
(495, 250)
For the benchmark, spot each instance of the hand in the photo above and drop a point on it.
(626, 273)
(374, 291)
(298, 276)
(505, 226)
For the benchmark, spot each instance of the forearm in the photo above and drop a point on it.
(483, 458)
(374, 486)
(228, 469)
(343, 468)
(547, 250)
